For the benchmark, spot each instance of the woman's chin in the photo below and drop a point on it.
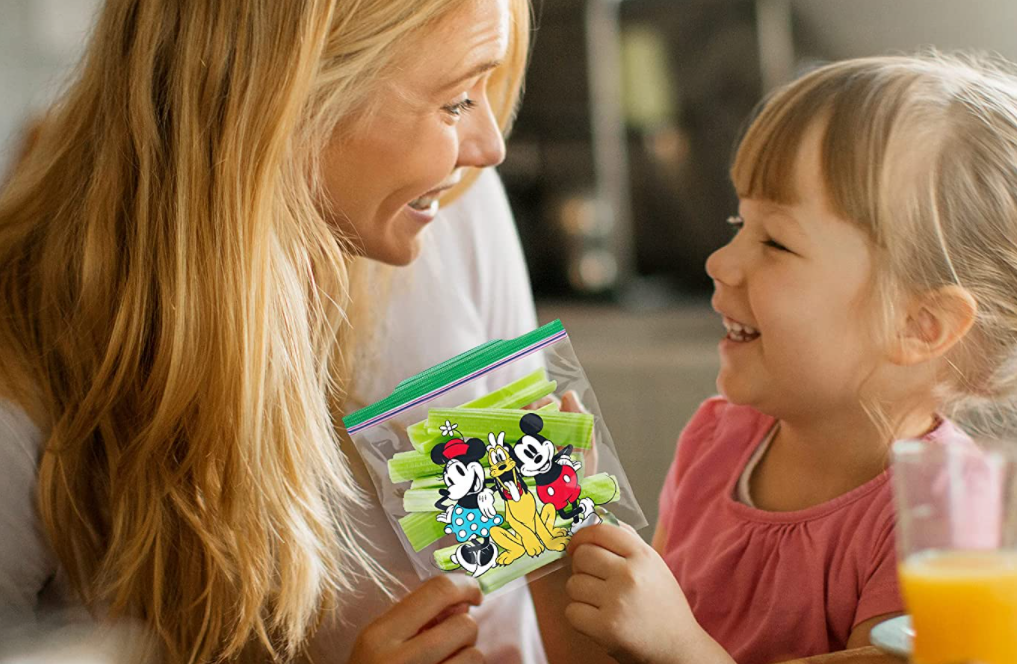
(396, 254)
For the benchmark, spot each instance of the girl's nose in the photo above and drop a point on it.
(723, 267)
(481, 143)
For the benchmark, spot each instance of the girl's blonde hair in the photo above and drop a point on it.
(921, 152)
(176, 311)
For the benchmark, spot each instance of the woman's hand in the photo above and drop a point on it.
(431, 625)
(624, 597)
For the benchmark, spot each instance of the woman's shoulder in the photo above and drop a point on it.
(21, 439)
(26, 561)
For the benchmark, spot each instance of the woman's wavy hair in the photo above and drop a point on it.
(175, 311)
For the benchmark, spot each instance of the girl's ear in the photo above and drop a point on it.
(935, 322)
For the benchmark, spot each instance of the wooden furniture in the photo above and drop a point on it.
(869, 655)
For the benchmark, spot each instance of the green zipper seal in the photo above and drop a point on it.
(452, 373)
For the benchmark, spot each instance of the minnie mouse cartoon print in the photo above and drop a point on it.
(467, 505)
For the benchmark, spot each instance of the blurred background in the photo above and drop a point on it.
(617, 167)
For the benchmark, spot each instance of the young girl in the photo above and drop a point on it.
(868, 289)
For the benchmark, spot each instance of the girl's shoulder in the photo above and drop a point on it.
(718, 421)
(720, 434)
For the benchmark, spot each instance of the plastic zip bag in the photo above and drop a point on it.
(495, 486)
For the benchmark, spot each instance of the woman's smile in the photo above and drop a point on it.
(425, 208)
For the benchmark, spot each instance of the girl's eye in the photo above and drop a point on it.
(459, 107)
(736, 223)
(773, 244)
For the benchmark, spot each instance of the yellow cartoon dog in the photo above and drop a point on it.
(532, 534)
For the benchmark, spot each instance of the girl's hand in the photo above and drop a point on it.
(624, 597)
(431, 625)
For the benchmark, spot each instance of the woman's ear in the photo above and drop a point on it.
(935, 322)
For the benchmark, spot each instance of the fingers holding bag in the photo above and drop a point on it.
(431, 625)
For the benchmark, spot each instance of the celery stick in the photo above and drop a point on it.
(422, 500)
(435, 482)
(418, 435)
(517, 394)
(507, 394)
(422, 529)
(602, 488)
(549, 407)
(498, 576)
(574, 429)
(406, 466)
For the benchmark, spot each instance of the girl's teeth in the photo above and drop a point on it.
(739, 332)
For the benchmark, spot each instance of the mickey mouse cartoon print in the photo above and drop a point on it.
(467, 505)
(554, 473)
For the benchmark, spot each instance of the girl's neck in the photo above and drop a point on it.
(813, 460)
(852, 442)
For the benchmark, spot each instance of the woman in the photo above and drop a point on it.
(175, 270)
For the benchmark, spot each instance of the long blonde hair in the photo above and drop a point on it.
(175, 311)
(921, 152)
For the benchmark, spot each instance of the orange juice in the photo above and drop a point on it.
(963, 606)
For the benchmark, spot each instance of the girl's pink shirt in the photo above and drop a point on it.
(774, 586)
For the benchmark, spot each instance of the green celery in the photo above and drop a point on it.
(443, 556)
(435, 482)
(510, 393)
(422, 529)
(517, 394)
(574, 429)
(411, 465)
(495, 578)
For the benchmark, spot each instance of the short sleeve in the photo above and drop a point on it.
(26, 561)
(700, 429)
(880, 593)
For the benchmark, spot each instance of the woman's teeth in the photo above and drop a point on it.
(425, 204)
(739, 332)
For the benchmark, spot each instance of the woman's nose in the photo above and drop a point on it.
(722, 266)
(481, 143)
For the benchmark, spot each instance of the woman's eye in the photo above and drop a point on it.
(459, 107)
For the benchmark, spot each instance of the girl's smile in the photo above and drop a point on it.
(739, 332)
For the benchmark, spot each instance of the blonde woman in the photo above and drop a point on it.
(175, 272)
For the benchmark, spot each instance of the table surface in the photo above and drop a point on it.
(869, 655)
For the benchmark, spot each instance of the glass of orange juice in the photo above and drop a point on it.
(957, 545)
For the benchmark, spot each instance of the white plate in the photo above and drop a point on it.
(894, 636)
